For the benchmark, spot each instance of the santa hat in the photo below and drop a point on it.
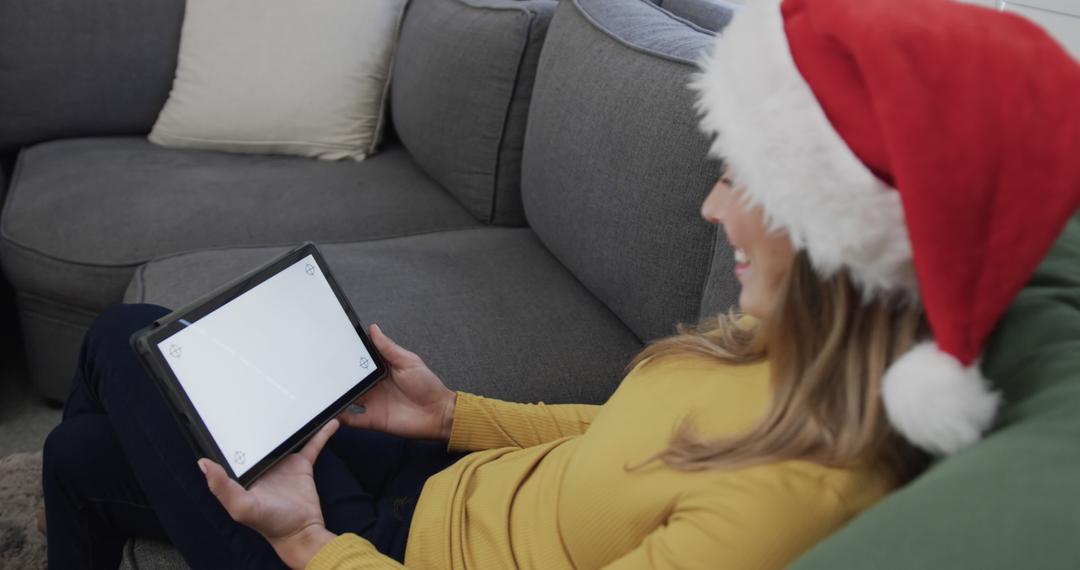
(926, 146)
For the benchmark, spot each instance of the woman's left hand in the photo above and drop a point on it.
(283, 504)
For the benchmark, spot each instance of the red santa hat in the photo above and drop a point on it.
(926, 146)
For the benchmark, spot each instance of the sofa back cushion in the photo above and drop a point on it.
(84, 68)
(1009, 501)
(615, 168)
(460, 96)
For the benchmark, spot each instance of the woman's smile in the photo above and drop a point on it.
(742, 263)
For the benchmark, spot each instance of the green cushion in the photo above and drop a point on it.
(1013, 500)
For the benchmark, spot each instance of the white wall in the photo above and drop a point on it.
(1061, 18)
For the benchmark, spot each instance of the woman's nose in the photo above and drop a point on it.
(711, 215)
(712, 209)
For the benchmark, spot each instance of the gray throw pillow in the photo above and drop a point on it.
(460, 95)
(712, 15)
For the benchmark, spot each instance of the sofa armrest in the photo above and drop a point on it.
(84, 68)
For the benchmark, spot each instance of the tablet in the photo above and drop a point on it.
(255, 368)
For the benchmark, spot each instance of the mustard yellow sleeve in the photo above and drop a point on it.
(350, 552)
(762, 521)
(484, 423)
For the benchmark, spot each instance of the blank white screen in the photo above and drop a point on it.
(266, 363)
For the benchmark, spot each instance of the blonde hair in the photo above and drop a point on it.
(827, 350)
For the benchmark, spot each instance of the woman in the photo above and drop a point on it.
(737, 444)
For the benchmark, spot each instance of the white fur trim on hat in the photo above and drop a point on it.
(781, 148)
(937, 403)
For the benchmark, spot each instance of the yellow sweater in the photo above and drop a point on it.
(546, 487)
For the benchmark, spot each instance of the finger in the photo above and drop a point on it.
(315, 444)
(394, 353)
(238, 502)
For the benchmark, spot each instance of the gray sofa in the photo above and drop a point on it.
(530, 221)
(608, 178)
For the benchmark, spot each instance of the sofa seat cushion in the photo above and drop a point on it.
(81, 214)
(489, 309)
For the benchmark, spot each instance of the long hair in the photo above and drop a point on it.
(827, 349)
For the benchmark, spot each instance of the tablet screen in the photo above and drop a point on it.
(260, 367)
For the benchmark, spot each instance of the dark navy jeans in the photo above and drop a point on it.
(118, 467)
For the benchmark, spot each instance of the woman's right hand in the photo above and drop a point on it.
(410, 402)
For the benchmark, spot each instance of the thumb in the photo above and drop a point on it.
(395, 355)
(237, 500)
(311, 449)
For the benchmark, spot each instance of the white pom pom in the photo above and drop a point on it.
(935, 402)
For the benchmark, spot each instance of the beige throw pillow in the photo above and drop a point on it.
(305, 77)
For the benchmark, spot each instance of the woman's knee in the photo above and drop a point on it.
(54, 457)
(75, 449)
(114, 326)
(107, 347)
(126, 318)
